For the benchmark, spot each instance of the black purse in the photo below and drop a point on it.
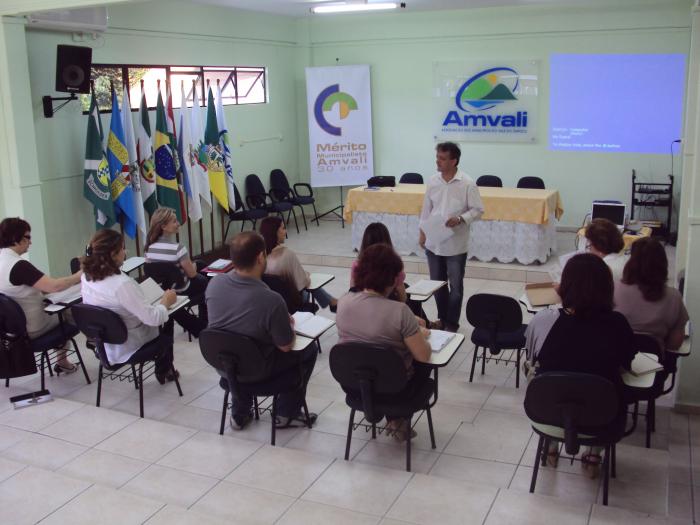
(16, 358)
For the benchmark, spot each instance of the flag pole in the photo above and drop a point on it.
(201, 226)
(183, 104)
(223, 213)
(211, 213)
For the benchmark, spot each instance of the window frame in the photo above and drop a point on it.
(200, 71)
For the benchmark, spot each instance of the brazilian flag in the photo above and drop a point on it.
(166, 180)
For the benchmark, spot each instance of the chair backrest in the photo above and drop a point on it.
(253, 185)
(237, 197)
(491, 181)
(571, 401)
(285, 287)
(101, 325)
(369, 370)
(168, 275)
(278, 180)
(74, 264)
(240, 357)
(13, 322)
(495, 313)
(534, 183)
(411, 178)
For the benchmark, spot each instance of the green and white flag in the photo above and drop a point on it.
(147, 168)
(96, 180)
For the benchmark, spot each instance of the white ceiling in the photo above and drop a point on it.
(300, 8)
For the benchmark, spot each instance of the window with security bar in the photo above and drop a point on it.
(238, 84)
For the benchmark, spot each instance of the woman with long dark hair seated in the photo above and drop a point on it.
(369, 316)
(584, 336)
(162, 246)
(284, 262)
(103, 284)
(604, 239)
(642, 296)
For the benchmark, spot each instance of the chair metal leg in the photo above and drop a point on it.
(374, 431)
(483, 362)
(80, 360)
(141, 389)
(606, 475)
(242, 224)
(295, 219)
(303, 216)
(177, 381)
(227, 227)
(408, 446)
(653, 415)
(545, 451)
(471, 374)
(274, 418)
(351, 421)
(133, 373)
(43, 381)
(48, 364)
(255, 406)
(7, 382)
(613, 461)
(223, 413)
(318, 222)
(430, 427)
(517, 369)
(99, 385)
(533, 481)
(306, 413)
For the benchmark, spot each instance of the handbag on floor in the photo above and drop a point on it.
(16, 358)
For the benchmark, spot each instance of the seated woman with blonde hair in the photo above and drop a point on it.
(103, 284)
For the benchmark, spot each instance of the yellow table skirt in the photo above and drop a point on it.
(500, 204)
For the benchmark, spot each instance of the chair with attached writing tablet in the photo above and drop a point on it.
(245, 367)
(13, 327)
(647, 344)
(576, 410)
(497, 322)
(371, 376)
(101, 326)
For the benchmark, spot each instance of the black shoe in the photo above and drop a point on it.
(333, 308)
(240, 421)
(288, 422)
(165, 377)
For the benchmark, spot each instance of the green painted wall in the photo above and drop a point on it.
(401, 49)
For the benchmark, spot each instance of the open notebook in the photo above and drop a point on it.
(425, 287)
(439, 339)
(310, 325)
(153, 292)
(68, 296)
(645, 364)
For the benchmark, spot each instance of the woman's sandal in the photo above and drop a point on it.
(590, 463)
(436, 325)
(553, 456)
(170, 375)
(400, 430)
(63, 369)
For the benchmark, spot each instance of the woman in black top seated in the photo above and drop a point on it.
(585, 335)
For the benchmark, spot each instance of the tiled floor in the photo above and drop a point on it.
(69, 462)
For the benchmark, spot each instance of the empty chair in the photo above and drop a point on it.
(274, 202)
(374, 379)
(13, 327)
(411, 178)
(497, 322)
(534, 183)
(102, 325)
(245, 367)
(576, 410)
(491, 181)
(278, 181)
(241, 213)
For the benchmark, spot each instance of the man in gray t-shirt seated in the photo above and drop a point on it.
(240, 302)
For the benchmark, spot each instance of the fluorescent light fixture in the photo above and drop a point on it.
(354, 8)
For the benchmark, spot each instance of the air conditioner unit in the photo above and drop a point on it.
(88, 20)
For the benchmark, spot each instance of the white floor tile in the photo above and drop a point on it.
(309, 513)
(103, 468)
(9, 468)
(393, 455)
(89, 425)
(323, 444)
(174, 515)
(488, 473)
(517, 508)
(43, 451)
(37, 417)
(168, 485)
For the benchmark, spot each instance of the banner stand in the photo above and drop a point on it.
(334, 211)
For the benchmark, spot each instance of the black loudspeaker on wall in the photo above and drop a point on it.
(73, 69)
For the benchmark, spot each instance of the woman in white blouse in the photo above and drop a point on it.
(103, 284)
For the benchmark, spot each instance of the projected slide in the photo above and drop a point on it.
(618, 103)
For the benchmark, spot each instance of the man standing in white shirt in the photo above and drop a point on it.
(454, 198)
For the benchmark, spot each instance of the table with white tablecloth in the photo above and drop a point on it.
(518, 224)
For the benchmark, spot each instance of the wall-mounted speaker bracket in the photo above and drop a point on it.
(47, 101)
